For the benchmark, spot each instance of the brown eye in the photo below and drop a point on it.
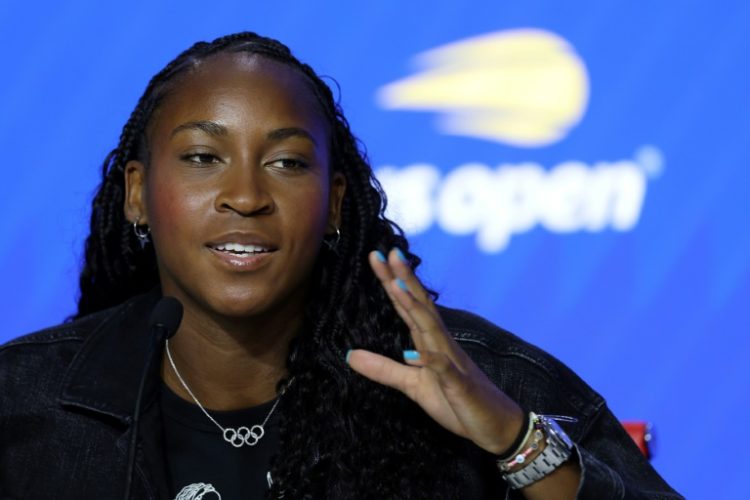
(200, 158)
(289, 164)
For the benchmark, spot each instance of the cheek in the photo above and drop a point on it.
(314, 204)
(171, 210)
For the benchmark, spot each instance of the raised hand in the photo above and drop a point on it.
(439, 376)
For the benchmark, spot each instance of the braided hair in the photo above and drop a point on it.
(357, 439)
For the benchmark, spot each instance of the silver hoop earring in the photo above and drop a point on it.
(141, 232)
(333, 245)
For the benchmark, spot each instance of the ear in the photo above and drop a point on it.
(135, 182)
(335, 200)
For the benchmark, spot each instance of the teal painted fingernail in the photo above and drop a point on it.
(400, 254)
(380, 255)
(411, 355)
(348, 353)
(401, 284)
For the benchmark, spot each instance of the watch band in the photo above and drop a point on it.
(558, 450)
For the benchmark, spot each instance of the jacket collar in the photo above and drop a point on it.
(104, 375)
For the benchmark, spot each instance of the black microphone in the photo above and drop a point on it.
(163, 323)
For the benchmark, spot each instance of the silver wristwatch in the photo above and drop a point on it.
(558, 450)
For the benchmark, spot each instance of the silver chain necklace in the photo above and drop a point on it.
(240, 436)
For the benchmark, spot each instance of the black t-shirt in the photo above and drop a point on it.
(200, 461)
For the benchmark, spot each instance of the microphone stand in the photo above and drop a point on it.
(164, 321)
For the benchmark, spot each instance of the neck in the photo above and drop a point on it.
(230, 363)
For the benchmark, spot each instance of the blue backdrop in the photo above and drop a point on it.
(575, 171)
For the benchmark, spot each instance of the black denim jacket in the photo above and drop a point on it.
(67, 393)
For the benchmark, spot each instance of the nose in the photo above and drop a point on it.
(243, 190)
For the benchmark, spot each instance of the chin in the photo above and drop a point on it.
(239, 307)
(246, 304)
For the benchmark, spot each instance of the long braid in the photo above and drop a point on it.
(356, 439)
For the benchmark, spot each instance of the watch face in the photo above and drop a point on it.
(555, 430)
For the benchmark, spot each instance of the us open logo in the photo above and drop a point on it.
(525, 88)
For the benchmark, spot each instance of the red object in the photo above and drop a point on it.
(641, 432)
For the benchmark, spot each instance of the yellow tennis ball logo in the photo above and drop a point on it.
(523, 87)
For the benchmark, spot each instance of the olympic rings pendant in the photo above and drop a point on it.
(243, 436)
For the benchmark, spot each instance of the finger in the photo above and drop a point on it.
(380, 266)
(383, 272)
(448, 374)
(430, 333)
(429, 327)
(382, 370)
(401, 269)
(396, 266)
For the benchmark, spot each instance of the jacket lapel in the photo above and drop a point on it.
(103, 381)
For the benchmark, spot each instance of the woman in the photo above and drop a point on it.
(310, 361)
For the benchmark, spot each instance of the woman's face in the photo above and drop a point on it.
(237, 191)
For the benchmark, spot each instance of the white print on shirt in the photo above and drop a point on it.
(196, 491)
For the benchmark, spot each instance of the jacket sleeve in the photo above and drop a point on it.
(613, 467)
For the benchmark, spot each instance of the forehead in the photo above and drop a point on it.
(239, 90)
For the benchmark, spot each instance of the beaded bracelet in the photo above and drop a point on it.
(557, 451)
(520, 458)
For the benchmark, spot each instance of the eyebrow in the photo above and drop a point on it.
(211, 128)
(216, 129)
(284, 133)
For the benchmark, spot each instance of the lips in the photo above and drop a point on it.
(242, 243)
(240, 249)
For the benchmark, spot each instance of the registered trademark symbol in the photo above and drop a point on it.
(650, 159)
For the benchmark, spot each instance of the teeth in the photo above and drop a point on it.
(237, 248)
